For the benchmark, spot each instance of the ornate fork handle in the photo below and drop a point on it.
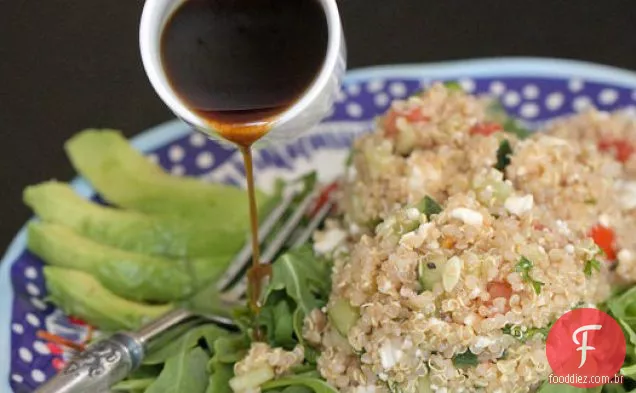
(97, 368)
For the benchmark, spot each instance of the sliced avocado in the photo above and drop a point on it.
(343, 316)
(79, 294)
(430, 271)
(130, 275)
(133, 231)
(125, 178)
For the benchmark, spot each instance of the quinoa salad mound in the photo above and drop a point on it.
(458, 240)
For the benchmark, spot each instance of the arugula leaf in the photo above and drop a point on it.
(230, 349)
(429, 207)
(297, 389)
(303, 277)
(184, 343)
(591, 265)
(558, 388)
(503, 155)
(220, 379)
(184, 372)
(613, 388)
(465, 359)
(278, 321)
(133, 385)
(524, 266)
(623, 306)
(315, 384)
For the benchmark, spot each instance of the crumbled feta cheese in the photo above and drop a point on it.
(390, 354)
(412, 213)
(354, 229)
(482, 342)
(474, 293)
(383, 376)
(330, 239)
(452, 273)
(416, 179)
(569, 249)
(386, 286)
(468, 216)
(563, 228)
(625, 255)
(626, 192)
(554, 141)
(604, 220)
(411, 240)
(519, 205)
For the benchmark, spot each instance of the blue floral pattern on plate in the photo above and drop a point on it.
(531, 98)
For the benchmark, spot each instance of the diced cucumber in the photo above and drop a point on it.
(252, 379)
(138, 232)
(79, 294)
(424, 384)
(343, 316)
(431, 270)
(130, 275)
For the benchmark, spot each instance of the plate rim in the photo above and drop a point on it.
(161, 134)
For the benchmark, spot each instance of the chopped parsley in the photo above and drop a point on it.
(523, 334)
(503, 155)
(524, 266)
(465, 359)
(429, 207)
(591, 265)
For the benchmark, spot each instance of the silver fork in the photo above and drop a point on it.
(109, 361)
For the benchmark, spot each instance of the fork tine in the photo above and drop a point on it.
(242, 259)
(239, 290)
(316, 220)
(288, 228)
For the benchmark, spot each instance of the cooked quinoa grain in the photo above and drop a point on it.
(457, 245)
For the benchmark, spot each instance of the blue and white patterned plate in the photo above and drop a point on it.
(535, 90)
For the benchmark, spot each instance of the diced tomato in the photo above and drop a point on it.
(390, 126)
(605, 238)
(485, 129)
(323, 198)
(57, 363)
(621, 148)
(54, 348)
(538, 226)
(412, 115)
(415, 115)
(499, 289)
(76, 321)
(624, 150)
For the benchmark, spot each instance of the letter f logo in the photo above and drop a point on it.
(584, 348)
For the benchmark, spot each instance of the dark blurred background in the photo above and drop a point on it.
(70, 64)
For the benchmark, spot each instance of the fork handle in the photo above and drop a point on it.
(96, 369)
(108, 361)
